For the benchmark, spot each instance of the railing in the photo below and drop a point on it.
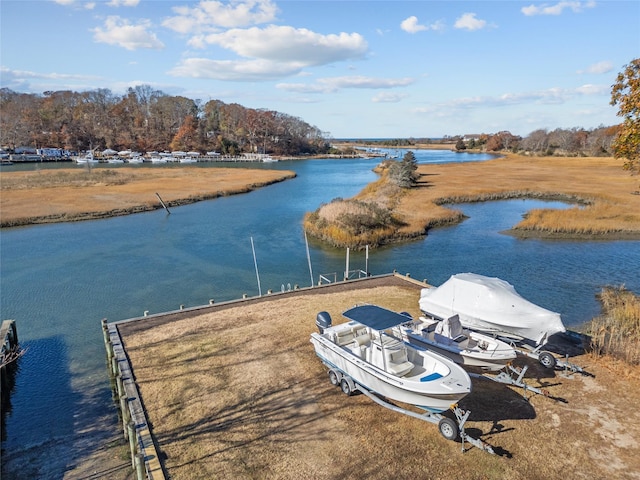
(333, 277)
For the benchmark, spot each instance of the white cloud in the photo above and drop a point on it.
(231, 70)
(556, 9)
(411, 25)
(28, 74)
(271, 52)
(388, 97)
(76, 4)
(334, 84)
(468, 21)
(589, 89)
(30, 81)
(123, 3)
(208, 16)
(288, 44)
(598, 68)
(118, 31)
(550, 96)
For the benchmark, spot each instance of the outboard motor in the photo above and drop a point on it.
(323, 320)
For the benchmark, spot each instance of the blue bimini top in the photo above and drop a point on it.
(375, 317)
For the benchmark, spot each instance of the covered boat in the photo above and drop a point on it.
(490, 305)
(364, 350)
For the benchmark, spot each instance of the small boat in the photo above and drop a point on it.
(269, 159)
(492, 306)
(158, 160)
(87, 159)
(135, 160)
(364, 351)
(115, 160)
(463, 346)
(188, 160)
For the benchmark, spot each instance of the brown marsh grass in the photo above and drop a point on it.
(46, 196)
(606, 197)
(616, 333)
(604, 191)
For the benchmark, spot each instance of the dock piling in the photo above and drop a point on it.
(162, 203)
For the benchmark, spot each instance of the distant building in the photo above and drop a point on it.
(471, 136)
(52, 152)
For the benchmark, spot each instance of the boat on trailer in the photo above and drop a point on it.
(365, 351)
(463, 346)
(492, 306)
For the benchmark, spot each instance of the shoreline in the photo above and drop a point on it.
(72, 196)
(428, 205)
(560, 236)
(602, 196)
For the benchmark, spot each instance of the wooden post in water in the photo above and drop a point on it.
(140, 470)
(163, 205)
(132, 442)
(126, 415)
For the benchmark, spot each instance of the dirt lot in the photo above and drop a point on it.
(237, 392)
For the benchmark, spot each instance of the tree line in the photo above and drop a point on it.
(145, 120)
(564, 142)
(597, 142)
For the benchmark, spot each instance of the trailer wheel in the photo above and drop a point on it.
(333, 378)
(547, 360)
(346, 388)
(448, 428)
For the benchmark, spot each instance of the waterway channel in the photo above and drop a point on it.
(58, 281)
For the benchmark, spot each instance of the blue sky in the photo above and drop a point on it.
(351, 68)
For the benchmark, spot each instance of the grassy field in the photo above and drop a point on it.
(46, 196)
(237, 392)
(606, 198)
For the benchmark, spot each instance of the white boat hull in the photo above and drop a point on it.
(493, 358)
(428, 390)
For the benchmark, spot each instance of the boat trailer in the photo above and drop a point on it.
(547, 359)
(506, 377)
(449, 428)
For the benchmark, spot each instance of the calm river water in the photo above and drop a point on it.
(59, 281)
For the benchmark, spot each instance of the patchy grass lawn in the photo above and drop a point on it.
(238, 392)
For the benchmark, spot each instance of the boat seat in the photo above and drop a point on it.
(429, 328)
(362, 339)
(399, 369)
(398, 363)
(344, 337)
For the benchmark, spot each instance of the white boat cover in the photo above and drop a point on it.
(491, 305)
